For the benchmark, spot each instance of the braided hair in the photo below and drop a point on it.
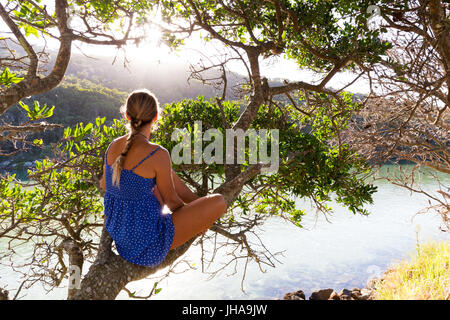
(140, 109)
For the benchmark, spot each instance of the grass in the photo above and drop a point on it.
(425, 277)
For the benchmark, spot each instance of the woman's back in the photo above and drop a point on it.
(143, 235)
(138, 151)
(133, 167)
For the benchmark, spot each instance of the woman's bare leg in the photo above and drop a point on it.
(195, 217)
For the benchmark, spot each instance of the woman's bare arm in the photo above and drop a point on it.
(165, 182)
(183, 191)
(180, 187)
(102, 180)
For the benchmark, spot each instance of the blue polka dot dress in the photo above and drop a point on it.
(134, 219)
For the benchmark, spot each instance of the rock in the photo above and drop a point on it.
(330, 294)
(334, 296)
(28, 164)
(4, 294)
(365, 297)
(323, 294)
(356, 294)
(366, 294)
(297, 295)
(345, 294)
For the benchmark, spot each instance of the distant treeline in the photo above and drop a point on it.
(75, 100)
(169, 81)
(96, 88)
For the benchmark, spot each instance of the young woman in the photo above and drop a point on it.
(138, 181)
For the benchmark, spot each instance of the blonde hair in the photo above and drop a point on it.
(141, 107)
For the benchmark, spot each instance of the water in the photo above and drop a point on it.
(342, 254)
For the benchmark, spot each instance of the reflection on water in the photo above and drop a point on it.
(343, 253)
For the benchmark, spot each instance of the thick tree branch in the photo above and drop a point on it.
(32, 69)
(35, 85)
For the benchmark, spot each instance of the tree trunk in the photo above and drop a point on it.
(76, 261)
(110, 273)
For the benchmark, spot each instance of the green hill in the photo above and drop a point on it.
(75, 100)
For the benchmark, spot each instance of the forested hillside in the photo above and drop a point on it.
(168, 80)
(75, 101)
(95, 87)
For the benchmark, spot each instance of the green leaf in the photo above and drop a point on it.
(25, 107)
(7, 78)
(88, 128)
(30, 30)
(37, 112)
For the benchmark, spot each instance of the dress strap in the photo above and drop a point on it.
(146, 158)
(105, 156)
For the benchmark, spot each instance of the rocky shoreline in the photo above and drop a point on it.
(367, 293)
(4, 294)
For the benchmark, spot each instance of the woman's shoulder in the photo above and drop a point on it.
(148, 147)
(117, 141)
(156, 149)
(157, 155)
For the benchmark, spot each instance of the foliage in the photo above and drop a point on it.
(426, 276)
(7, 78)
(317, 172)
(338, 27)
(66, 202)
(37, 112)
(77, 100)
